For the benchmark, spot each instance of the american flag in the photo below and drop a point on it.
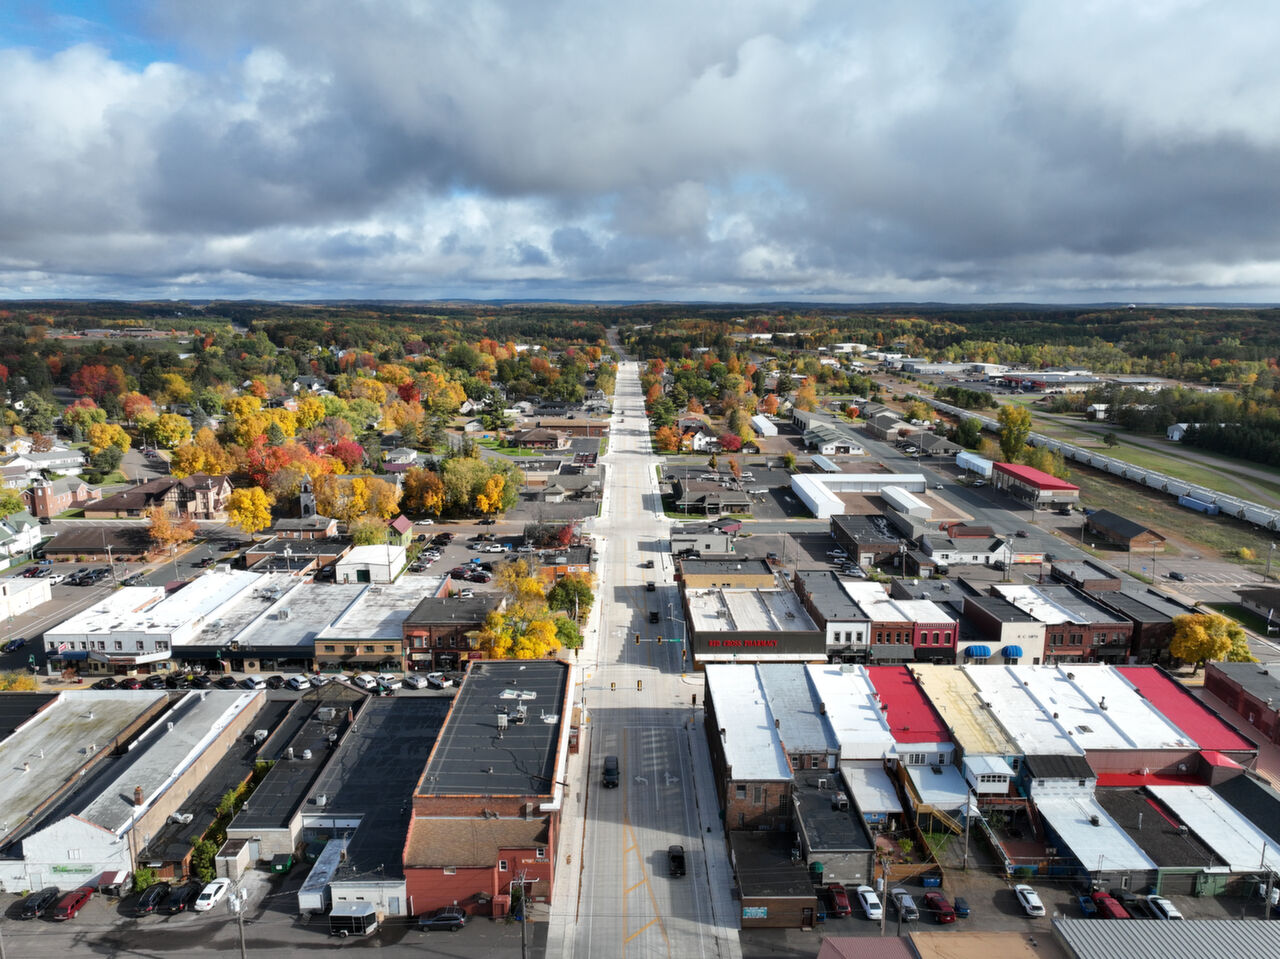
(63, 647)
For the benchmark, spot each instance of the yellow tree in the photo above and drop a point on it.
(245, 419)
(806, 396)
(489, 500)
(102, 435)
(1199, 637)
(172, 430)
(204, 454)
(174, 389)
(344, 498)
(165, 532)
(423, 491)
(384, 498)
(310, 412)
(1015, 427)
(249, 509)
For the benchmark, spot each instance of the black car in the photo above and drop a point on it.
(38, 903)
(107, 683)
(610, 775)
(201, 681)
(151, 899)
(182, 898)
(275, 682)
(450, 917)
(226, 682)
(154, 681)
(177, 682)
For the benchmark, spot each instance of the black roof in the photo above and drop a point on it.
(1000, 609)
(1118, 525)
(17, 708)
(1155, 830)
(827, 828)
(442, 611)
(763, 863)
(1259, 680)
(865, 529)
(371, 775)
(1058, 767)
(474, 757)
(827, 596)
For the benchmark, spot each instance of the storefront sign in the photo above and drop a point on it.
(740, 643)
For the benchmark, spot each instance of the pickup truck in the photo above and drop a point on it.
(675, 860)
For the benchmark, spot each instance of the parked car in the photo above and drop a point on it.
(903, 904)
(275, 682)
(1163, 908)
(438, 680)
(298, 682)
(1029, 900)
(610, 774)
(935, 903)
(1108, 908)
(317, 680)
(178, 681)
(154, 681)
(57, 578)
(675, 860)
(1135, 905)
(72, 903)
(366, 681)
(416, 681)
(201, 681)
(870, 902)
(211, 895)
(961, 906)
(390, 680)
(253, 682)
(151, 899)
(181, 898)
(106, 683)
(451, 918)
(38, 903)
(226, 682)
(131, 682)
(840, 907)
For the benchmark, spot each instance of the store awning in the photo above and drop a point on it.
(1011, 652)
(978, 652)
(73, 655)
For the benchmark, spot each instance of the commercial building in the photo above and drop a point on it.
(866, 539)
(1252, 690)
(440, 633)
(486, 810)
(750, 625)
(700, 538)
(1034, 487)
(19, 595)
(841, 619)
(370, 564)
(1077, 629)
(737, 573)
(821, 494)
(1005, 633)
(1116, 530)
(368, 635)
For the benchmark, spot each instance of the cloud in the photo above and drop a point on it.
(738, 151)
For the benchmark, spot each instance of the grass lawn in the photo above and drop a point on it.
(509, 450)
(1245, 617)
(1158, 511)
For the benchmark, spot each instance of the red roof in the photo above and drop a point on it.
(1150, 779)
(401, 524)
(1183, 710)
(1034, 477)
(910, 715)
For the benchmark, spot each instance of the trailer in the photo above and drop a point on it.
(974, 464)
(352, 919)
(1199, 505)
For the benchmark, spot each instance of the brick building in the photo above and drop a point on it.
(47, 498)
(440, 632)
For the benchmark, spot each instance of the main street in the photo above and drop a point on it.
(642, 709)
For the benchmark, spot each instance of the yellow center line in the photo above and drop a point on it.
(640, 930)
(636, 886)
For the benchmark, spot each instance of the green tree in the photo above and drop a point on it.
(368, 531)
(1015, 427)
(1111, 440)
(37, 414)
(789, 461)
(10, 502)
(571, 594)
(969, 433)
(568, 633)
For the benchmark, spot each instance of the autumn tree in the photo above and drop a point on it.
(10, 503)
(204, 454)
(489, 500)
(1200, 637)
(102, 435)
(171, 430)
(806, 396)
(97, 381)
(1015, 427)
(423, 492)
(384, 498)
(769, 405)
(666, 439)
(571, 594)
(735, 467)
(368, 531)
(166, 531)
(344, 498)
(82, 414)
(525, 629)
(137, 406)
(249, 509)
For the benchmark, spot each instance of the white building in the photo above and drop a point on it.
(18, 595)
(370, 564)
(763, 425)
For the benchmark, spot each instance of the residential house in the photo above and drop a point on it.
(400, 531)
(63, 462)
(19, 533)
(536, 439)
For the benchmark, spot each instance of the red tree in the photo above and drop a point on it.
(731, 442)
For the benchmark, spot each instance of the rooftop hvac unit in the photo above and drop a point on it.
(306, 754)
(326, 714)
(322, 799)
(1183, 831)
(182, 818)
(259, 736)
(1095, 821)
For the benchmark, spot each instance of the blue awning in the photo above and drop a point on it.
(1011, 652)
(71, 655)
(978, 652)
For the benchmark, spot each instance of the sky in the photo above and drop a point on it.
(708, 150)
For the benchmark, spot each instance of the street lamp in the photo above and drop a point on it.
(1270, 553)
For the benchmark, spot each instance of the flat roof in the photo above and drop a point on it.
(472, 758)
(372, 774)
(1154, 830)
(1259, 680)
(796, 707)
(311, 719)
(59, 740)
(18, 708)
(443, 610)
(1189, 939)
(716, 567)
(291, 620)
(871, 787)
(972, 726)
(765, 868)
(1097, 847)
(1019, 714)
(127, 602)
(828, 829)
(911, 717)
(1220, 826)
(853, 710)
(379, 612)
(751, 742)
(943, 786)
(827, 596)
(720, 609)
(1053, 605)
(164, 752)
(1184, 710)
(1085, 609)
(186, 608)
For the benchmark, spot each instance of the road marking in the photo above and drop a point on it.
(640, 930)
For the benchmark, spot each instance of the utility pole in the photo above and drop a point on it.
(237, 903)
(884, 892)
(968, 815)
(522, 882)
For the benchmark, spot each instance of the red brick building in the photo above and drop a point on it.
(48, 498)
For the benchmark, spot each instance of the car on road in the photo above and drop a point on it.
(1020, 533)
(526, 548)
(610, 774)
(935, 903)
(72, 903)
(903, 904)
(211, 895)
(1163, 908)
(675, 860)
(450, 918)
(869, 902)
(654, 616)
(650, 586)
(1179, 577)
(979, 483)
(38, 903)
(181, 898)
(15, 644)
(1029, 900)
(151, 899)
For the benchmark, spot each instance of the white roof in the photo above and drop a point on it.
(1100, 847)
(1089, 704)
(1219, 826)
(981, 765)
(379, 612)
(1034, 604)
(853, 711)
(871, 787)
(923, 611)
(127, 602)
(378, 553)
(946, 789)
(753, 610)
(751, 743)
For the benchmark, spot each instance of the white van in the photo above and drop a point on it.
(366, 681)
(298, 682)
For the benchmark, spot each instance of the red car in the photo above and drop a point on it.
(1108, 908)
(936, 903)
(839, 900)
(72, 903)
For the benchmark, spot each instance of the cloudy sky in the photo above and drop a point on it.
(690, 150)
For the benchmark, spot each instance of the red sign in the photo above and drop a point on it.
(739, 643)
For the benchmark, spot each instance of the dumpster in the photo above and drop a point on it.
(282, 863)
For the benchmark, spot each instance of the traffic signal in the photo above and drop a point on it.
(659, 639)
(637, 639)
(639, 684)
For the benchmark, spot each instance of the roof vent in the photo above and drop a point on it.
(1102, 703)
(1095, 821)
(322, 799)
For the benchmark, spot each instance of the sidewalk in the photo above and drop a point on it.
(724, 908)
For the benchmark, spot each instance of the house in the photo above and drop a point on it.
(699, 439)
(1125, 533)
(198, 496)
(311, 384)
(58, 460)
(19, 533)
(536, 439)
(48, 498)
(400, 531)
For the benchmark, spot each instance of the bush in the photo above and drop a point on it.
(143, 878)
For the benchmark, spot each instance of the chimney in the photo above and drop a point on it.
(777, 724)
(137, 795)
